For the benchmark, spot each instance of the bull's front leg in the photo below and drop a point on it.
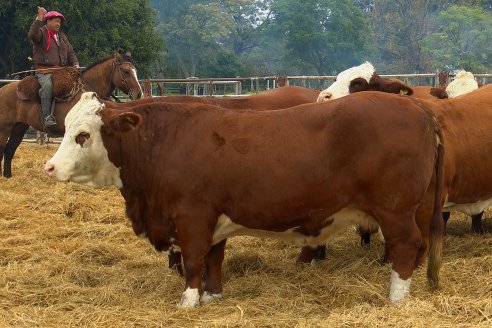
(195, 233)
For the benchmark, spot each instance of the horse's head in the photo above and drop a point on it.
(124, 75)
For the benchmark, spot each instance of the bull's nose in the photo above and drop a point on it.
(49, 169)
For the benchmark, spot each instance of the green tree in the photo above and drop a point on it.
(398, 26)
(206, 38)
(321, 36)
(463, 39)
(95, 29)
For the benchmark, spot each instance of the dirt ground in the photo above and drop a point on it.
(69, 258)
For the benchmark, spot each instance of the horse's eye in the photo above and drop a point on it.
(82, 137)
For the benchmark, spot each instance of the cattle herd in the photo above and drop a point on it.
(293, 164)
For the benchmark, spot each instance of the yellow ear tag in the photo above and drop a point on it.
(403, 92)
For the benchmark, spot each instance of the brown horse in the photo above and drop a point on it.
(102, 77)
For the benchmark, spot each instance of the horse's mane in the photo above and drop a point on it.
(124, 56)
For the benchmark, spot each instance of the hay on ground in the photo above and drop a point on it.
(68, 257)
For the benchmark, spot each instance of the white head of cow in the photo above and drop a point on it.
(82, 157)
(463, 83)
(340, 87)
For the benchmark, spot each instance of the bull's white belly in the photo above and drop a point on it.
(469, 209)
(226, 228)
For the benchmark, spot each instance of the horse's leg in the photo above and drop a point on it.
(4, 136)
(15, 139)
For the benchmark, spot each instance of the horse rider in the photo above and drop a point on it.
(51, 48)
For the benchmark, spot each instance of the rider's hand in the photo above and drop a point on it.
(41, 12)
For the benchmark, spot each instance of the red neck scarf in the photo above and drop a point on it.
(53, 35)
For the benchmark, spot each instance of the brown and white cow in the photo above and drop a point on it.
(299, 174)
(463, 83)
(362, 78)
(278, 98)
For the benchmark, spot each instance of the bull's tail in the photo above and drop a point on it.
(437, 223)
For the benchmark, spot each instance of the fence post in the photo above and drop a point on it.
(41, 136)
(443, 79)
(282, 81)
(147, 88)
(160, 90)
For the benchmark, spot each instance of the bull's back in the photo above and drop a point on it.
(303, 156)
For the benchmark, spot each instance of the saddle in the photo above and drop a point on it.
(66, 85)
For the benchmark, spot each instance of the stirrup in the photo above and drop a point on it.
(49, 121)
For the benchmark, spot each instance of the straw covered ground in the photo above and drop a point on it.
(68, 257)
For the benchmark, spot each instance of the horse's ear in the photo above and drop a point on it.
(127, 53)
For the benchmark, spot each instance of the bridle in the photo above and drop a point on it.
(116, 65)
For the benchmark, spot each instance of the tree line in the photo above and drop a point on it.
(228, 38)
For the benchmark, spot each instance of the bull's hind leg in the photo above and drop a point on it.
(476, 226)
(403, 241)
(213, 281)
(174, 259)
(15, 139)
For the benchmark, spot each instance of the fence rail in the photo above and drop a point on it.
(241, 85)
(247, 85)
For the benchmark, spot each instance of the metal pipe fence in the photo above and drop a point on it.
(250, 85)
(242, 86)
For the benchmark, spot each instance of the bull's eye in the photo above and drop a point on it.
(81, 138)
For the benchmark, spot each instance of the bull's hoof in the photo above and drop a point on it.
(190, 298)
(209, 297)
(477, 229)
(321, 253)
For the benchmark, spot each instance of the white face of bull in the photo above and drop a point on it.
(340, 87)
(82, 157)
(465, 82)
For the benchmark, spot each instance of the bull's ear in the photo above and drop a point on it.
(125, 122)
(406, 90)
(358, 84)
(439, 93)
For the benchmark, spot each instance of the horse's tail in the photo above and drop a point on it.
(437, 223)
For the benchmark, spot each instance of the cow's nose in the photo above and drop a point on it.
(49, 169)
(324, 96)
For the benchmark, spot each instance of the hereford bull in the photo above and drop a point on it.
(362, 78)
(299, 174)
(278, 98)
(466, 124)
(463, 83)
